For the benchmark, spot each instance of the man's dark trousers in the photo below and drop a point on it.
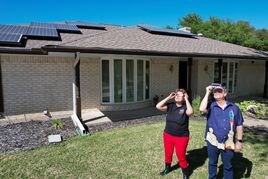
(226, 156)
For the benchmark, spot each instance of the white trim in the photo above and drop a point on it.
(232, 90)
(111, 79)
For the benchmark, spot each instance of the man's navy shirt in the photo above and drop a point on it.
(219, 120)
(177, 120)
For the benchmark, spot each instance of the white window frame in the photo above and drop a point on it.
(233, 90)
(111, 78)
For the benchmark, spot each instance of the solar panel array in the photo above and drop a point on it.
(86, 24)
(157, 30)
(42, 32)
(13, 34)
(10, 38)
(13, 29)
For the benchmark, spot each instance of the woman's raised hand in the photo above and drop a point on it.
(172, 95)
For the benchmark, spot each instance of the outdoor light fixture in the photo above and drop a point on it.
(171, 67)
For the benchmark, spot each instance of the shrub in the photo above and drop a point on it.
(261, 110)
(195, 104)
(57, 123)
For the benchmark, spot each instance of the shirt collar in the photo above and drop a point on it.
(228, 103)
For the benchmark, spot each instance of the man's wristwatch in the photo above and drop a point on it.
(240, 140)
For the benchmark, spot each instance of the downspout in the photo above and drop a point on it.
(265, 80)
(76, 87)
(77, 115)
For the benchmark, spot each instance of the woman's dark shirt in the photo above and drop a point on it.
(177, 121)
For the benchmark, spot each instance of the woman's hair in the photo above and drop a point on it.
(180, 90)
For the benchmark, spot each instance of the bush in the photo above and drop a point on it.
(57, 123)
(195, 104)
(261, 110)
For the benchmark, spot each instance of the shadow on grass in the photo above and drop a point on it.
(196, 158)
(242, 167)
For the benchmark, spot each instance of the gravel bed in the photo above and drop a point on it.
(32, 134)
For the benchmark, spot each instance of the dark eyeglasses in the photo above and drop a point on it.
(217, 91)
(179, 95)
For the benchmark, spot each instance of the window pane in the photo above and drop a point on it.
(105, 81)
(231, 72)
(118, 81)
(130, 80)
(147, 80)
(224, 74)
(235, 78)
(140, 80)
(216, 72)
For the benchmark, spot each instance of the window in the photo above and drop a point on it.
(228, 75)
(130, 80)
(125, 80)
(118, 95)
(105, 81)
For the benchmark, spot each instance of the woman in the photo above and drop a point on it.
(176, 133)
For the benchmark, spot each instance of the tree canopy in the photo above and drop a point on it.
(240, 32)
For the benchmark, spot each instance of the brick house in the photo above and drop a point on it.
(111, 67)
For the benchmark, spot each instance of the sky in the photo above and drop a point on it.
(132, 12)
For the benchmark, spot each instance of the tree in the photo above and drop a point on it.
(240, 32)
(192, 20)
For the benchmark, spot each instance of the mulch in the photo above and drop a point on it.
(31, 134)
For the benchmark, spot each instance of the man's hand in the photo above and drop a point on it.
(209, 89)
(238, 146)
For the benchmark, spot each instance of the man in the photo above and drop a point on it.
(224, 120)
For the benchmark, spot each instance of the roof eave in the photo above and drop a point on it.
(144, 52)
(54, 48)
(32, 51)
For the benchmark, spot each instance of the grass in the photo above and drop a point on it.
(133, 152)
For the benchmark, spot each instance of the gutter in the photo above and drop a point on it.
(35, 51)
(55, 48)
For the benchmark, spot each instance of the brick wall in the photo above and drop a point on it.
(163, 81)
(90, 82)
(34, 83)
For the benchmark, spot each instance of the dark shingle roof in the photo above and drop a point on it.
(127, 39)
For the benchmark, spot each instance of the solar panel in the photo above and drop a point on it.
(157, 30)
(42, 32)
(86, 25)
(10, 38)
(13, 29)
(67, 27)
(42, 25)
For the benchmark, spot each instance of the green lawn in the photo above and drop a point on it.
(133, 152)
